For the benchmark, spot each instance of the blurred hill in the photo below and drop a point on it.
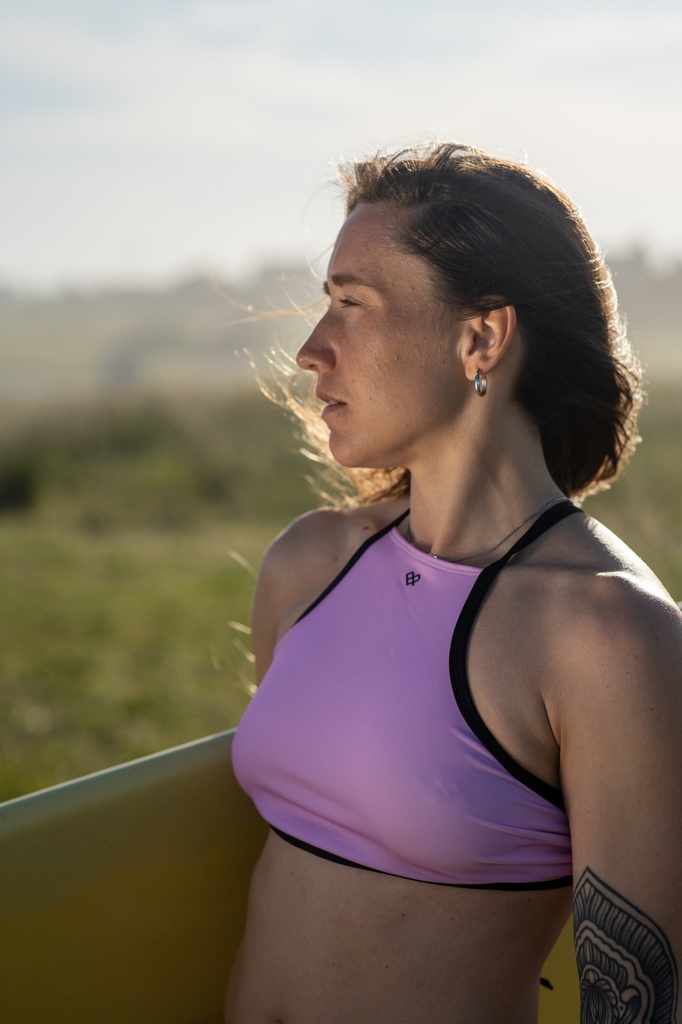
(198, 333)
(194, 333)
(649, 298)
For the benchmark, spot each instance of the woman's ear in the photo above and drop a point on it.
(488, 337)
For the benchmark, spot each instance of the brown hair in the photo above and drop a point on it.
(497, 233)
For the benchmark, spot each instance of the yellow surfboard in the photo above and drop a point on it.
(123, 895)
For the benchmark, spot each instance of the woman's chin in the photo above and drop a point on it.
(351, 458)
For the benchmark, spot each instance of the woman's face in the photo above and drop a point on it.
(386, 351)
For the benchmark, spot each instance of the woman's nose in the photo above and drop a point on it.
(314, 353)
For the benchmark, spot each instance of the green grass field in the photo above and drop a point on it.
(130, 533)
(120, 644)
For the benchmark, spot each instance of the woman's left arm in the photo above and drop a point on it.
(621, 771)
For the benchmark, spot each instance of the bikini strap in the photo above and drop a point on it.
(545, 522)
(353, 559)
(460, 643)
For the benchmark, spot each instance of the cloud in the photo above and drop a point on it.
(173, 110)
(205, 74)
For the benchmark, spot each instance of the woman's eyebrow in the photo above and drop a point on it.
(339, 280)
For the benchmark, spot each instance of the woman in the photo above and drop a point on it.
(472, 711)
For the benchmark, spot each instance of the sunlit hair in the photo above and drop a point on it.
(497, 233)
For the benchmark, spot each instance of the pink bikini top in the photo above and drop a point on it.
(363, 743)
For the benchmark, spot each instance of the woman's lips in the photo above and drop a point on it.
(330, 403)
(332, 407)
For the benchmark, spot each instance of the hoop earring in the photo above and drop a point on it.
(480, 384)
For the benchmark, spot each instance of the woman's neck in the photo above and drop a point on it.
(467, 498)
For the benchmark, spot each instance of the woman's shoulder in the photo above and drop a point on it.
(581, 562)
(613, 581)
(329, 536)
(304, 559)
(611, 621)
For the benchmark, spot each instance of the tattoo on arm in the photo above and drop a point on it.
(626, 966)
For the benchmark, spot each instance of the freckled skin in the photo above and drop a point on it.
(384, 348)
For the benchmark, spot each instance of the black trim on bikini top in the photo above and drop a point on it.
(551, 883)
(352, 560)
(459, 648)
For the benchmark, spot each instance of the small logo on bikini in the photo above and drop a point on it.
(411, 578)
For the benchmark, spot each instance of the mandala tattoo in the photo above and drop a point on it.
(626, 966)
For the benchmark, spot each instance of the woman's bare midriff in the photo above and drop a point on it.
(330, 944)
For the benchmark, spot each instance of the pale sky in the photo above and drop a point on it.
(148, 139)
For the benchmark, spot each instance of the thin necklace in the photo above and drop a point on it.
(488, 551)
